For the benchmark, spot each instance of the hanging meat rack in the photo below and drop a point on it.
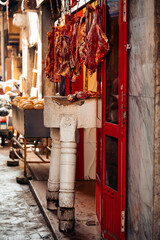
(29, 5)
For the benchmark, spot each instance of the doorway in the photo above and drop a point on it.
(111, 125)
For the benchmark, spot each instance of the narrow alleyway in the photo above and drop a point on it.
(20, 217)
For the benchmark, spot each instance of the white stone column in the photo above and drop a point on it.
(54, 171)
(68, 138)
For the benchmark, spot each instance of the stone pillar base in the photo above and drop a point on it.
(51, 205)
(66, 214)
(66, 226)
(66, 199)
(66, 218)
(52, 200)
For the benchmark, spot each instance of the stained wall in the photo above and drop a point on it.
(47, 86)
(156, 177)
(141, 120)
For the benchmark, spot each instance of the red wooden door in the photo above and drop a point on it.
(111, 125)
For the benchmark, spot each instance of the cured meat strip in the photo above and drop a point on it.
(75, 24)
(56, 55)
(97, 43)
(52, 59)
(57, 60)
(49, 63)
(79, 42)
(83, 29)
(61, 57)
(74, 61)
(70, 38)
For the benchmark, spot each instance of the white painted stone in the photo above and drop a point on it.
(67, 165)
(20, 20)
(54, 170)
(68, 117)
(84, 112)
(89, 153)
(66, 199)
(68, 160)
(68, 128)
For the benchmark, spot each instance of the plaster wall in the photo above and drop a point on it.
(48, 87)
(141, 111)
(156, 177)
(30, 33)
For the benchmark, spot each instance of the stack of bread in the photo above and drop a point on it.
(28, 102)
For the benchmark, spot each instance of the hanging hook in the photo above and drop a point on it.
(59, 10)
(62, 7)
(69, 9)
(3, 3)
(52, 13)
(77, 6)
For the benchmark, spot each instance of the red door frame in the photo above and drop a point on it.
(118, 131)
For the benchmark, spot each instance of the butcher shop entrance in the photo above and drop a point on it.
(111, 123)
(95, 38)
(111, 126)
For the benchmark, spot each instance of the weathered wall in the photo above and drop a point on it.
(29, 24)
(47, 86)
(30, 66)
(141, 77)
(156, 179)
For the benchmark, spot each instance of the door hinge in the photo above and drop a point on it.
(128, 46)
(124, 11)
(122, 221)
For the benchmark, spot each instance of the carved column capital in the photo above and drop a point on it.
(68, 126)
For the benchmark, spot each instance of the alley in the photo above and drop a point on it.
(20, 218)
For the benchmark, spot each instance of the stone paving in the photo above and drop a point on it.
(20, 217)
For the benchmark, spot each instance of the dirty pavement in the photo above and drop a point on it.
(20, 217)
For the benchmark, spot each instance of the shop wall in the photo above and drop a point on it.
(30, 66)
(156, 179)
(141, 97)
(89, 134)
(48, 87)
(28, 22)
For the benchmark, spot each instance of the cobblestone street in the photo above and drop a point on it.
(20, 217)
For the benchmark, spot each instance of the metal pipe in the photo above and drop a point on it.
(48, 148)
(2, 46)
(15, 140)
(39, 77)
(38, 155)
(17, 155)
(25, 157)
(38, 162)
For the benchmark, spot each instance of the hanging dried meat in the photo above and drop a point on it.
(57, 60)
(61, 56)
(97, 43)
(80, 40)
(70, 38)
(49, 63)
(83, 30)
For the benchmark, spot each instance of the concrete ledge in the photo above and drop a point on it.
(44, 211)
(84, 213)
